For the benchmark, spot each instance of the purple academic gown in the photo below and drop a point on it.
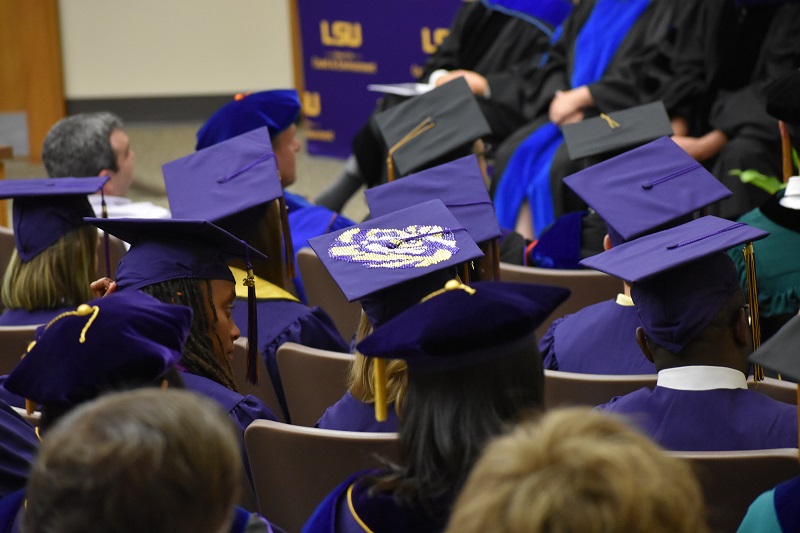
(598, 339)
(281, 321)
(242, 409)
(711, 420)
(379, 512)
(350, 414)
(18, 446)
(777, 510)
(22, 317)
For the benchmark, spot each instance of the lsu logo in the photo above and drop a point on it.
(341, 33)
(312, 106)
(431, 39)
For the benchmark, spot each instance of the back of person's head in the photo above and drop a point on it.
(80, 146)
(146, 460)
(578, 471)
(57, 277)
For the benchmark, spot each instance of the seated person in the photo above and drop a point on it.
(495, 45)
(695, 330)
(160, 461)
(18, 446)
(777, 262)
(473, 368)
(95, 144)
(55, 254)
(249, 205)
(428, 239)
(577, 471)
(601, 338)
(185, 262)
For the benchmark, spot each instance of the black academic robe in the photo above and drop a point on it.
(722, 59)
(632, 78)
(504, 49)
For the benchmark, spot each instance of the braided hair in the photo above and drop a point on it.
(198, 356)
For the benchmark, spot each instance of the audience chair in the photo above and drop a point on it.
(321, 290)
(781, 390)
(294, 468)
(14, 341)
(264, 391)
(313, 380)
(562, 389)
(587, 286)
(732, 480)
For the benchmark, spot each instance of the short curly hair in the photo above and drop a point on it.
(80, 146)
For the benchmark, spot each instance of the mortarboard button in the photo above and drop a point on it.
(646, 188)
(110, 341)
(427, 127)
(616, 131)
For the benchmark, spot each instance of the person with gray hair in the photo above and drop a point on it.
(95, 144)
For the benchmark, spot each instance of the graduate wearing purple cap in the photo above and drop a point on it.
(388, 264)
(473, 368)
(601, 338)
(236, 183)
(54, 258)
(694, 327)
(185, 262)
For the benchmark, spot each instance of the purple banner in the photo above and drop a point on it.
(347, 45)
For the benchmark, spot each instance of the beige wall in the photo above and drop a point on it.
(146, 48)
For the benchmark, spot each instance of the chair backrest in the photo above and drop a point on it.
(264, 390)
(587, 286)
(781, 390)
(294, 468)
(313, 380)
(321, 290)
(732, 480)
(562, 389)
(14, 341)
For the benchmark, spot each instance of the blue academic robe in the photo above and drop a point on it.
(18, 446)
(281, 321)
(379, 512)
(598, 339)
(775, 511)
(711, 420)
(350, 414)
(22, 317)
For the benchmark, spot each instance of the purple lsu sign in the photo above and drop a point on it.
(347, 45)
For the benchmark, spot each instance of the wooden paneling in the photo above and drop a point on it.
(30, 65)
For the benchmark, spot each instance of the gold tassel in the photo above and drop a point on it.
(419, 129)
(786, 151)
(752, 299)
(613, 124)
(379, 374)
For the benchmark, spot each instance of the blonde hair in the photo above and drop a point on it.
(578, 471)
(57, 277)
(360, 382)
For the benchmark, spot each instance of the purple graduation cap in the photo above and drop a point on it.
(646, 189)
(229, 184)
(460, 186)
(424, 129)
(391, 262)
(123, 338)
(277, 110)
(163, 250)
(681, 277)
(46, 209)
(460, 326)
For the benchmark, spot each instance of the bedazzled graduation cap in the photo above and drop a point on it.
(681, 277)
(47, 209)
(122, 339)
(390, 262)
(163, 250)
(429, 126)
(646, 188)
(616, 131)
(461, 326)
(277, 110)
(228, 184)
